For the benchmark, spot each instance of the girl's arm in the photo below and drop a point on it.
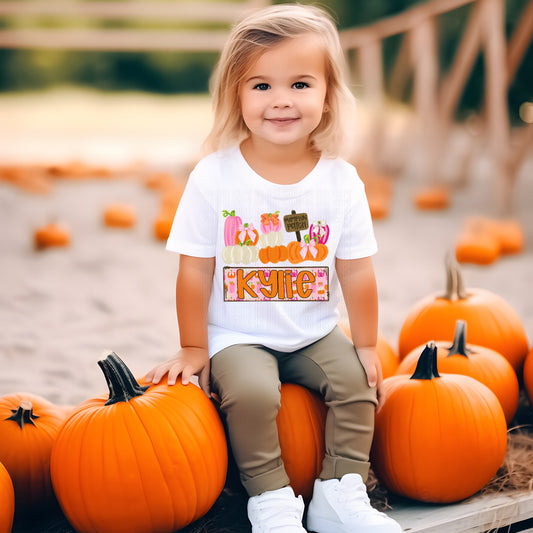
(193, 289)
(358, 284)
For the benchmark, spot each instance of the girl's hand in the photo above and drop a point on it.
(371, 363)
(188, 362)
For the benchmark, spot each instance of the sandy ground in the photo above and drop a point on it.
(113, 289)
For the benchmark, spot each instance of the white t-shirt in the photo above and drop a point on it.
(275, 247)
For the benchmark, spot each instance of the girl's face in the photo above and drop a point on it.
(283, 94)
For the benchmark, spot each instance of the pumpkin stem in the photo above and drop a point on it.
(459, 340)
(455, 289)
(23, 414)
(426, 367)
(122, 384)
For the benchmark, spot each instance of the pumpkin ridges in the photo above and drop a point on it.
(481, 363)
(148, 440)
(428, 425)
(25, 452)
(491, 320)
(301, 419)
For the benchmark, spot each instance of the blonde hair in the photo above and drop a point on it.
(247, 41)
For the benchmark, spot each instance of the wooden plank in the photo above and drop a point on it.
(519, 41)
(452, 86)
(114, 39)
(498, 125)
(475, 515)
(401, 23)
(172, 11)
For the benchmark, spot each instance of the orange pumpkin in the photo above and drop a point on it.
(141, 459)
(437, 438)
(301, 423)
(307, 250)
(7, 501)
(492, 322)
(120, 216)
(246, 235)
(51, 235)
(273, 254)
(436, 197)
(485, 365)
(506, 232)
(163, 224)
(28, 427)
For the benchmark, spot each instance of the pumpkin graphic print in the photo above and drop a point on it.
(278, 241)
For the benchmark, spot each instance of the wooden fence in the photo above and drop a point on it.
(435, 94)
(125, 39)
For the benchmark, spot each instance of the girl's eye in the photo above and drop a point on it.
(262, 86)
(300, 85)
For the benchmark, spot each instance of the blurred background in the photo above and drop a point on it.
(440, 82)
(53, 63)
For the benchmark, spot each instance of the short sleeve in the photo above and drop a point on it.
(194, 227)
(357, 239)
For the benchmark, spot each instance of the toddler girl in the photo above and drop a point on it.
(273, 230)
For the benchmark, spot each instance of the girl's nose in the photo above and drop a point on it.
(281, 101)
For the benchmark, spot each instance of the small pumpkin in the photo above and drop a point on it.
(28, 427)
(270, 222)
(120, 215)
(274, 238)
(492, 322)
(51, 235)
(485, 365)
(435, 197)
(159, 180)
(438, 438)
(231, 226)
(319, 231)
(476, 247)
(306, 250)
(246, 235)
(507, 232)
(273, 254)
(7, 501)
(237, 254)
(163, 224)
(301, 424)
(30, 178)
(141, 459)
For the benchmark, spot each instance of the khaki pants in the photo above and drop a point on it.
(248, 379)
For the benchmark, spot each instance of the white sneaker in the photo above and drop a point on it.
(276, 511)
(344, 507)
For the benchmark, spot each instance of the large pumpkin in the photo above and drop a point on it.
(29, 425)
(437, 438)
(301, 423)
(492, 322)
(7, 501)
(141, 460)
(485, 365)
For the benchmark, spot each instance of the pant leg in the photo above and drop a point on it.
(331, 367)
(247, 380)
